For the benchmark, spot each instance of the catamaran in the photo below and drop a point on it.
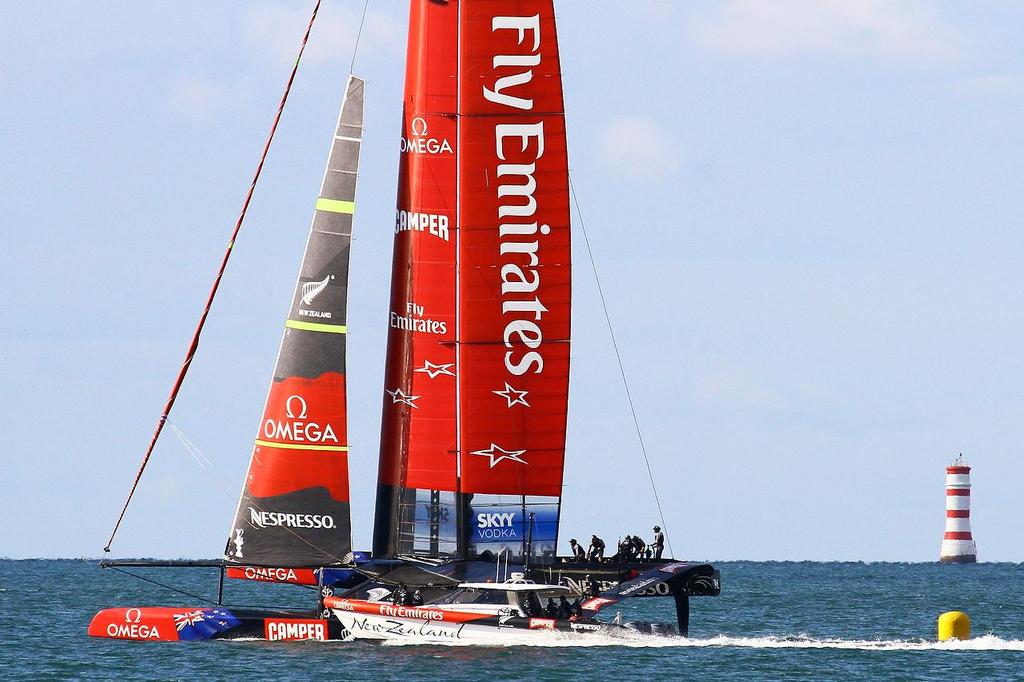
(476, 382)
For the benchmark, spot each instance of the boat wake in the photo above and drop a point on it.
(640, 640)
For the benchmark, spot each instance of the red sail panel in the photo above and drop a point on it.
(418, 433)
(514, 255)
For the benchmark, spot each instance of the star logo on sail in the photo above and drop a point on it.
(513, 396)
(433, 371)
(400, 396)
(497, 454)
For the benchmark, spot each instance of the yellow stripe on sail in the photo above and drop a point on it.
(296, 446)
(316, 327)
(336, 206)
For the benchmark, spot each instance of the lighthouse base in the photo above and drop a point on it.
(959, 559)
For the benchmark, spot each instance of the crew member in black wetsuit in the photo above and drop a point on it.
(576, 609)
(659, 543)
(578, 553)
(417, 598)
(551, 610)
(639, 547)
(564, 608)
(592, 589)
(596, 550)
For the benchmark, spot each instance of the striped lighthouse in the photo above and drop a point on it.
(958, 544)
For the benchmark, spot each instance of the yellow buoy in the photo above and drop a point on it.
(954, 625)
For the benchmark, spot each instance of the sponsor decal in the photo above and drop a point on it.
(434, 223)
(400, 396)
(278, 630)
(281, 575)
(413, 321)
(513, 396)
(498, 454)
(421, 142)
(413, 612)
(270, 519)
(542, 624)
(433, 371)
(133, 627)
(297, 428)
(309, 292)
(508, 524)
(495, 526)
(518, 147)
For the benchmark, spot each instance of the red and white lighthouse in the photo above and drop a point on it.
(957, 544)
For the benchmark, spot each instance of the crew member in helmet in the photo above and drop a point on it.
(596, 549)
(639, 547)
(659, 543)
(578, 553)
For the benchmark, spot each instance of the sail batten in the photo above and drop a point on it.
(294, 507)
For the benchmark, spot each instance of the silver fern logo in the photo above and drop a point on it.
(310, 290)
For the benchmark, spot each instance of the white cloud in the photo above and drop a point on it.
(198, 98)
(276, 29)
(901, 31)
(637, 147)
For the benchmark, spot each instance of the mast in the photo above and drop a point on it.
(294, 506)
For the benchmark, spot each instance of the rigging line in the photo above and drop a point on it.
(622, 370)
(163, 585)
(194, 346)
(359, 33)
(199, 457)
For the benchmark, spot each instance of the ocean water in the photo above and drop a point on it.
(776, 620)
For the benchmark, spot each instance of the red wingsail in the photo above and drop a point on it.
(418, 464)
(473, 440)
(514, 273)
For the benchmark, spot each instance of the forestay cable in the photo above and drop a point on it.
(194, 345)
(622, 370)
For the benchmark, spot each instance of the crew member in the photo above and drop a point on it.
(659, 543)
(578, 553)
(417, 598)
(576, 609)
(592, 589)
(596, 550)
(639, 546)
(625, 552)
(551, 610)
(564, 609)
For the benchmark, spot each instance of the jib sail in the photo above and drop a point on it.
(294, 507)
(480, 408)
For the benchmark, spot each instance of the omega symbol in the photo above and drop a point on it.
(302, 407)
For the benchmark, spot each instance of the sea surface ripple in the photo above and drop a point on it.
(774, 620)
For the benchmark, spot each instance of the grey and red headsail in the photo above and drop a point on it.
(294, 507)
(476, 383)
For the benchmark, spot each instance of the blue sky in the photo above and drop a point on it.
(807, 217)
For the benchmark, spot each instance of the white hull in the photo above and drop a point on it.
(377, 627)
